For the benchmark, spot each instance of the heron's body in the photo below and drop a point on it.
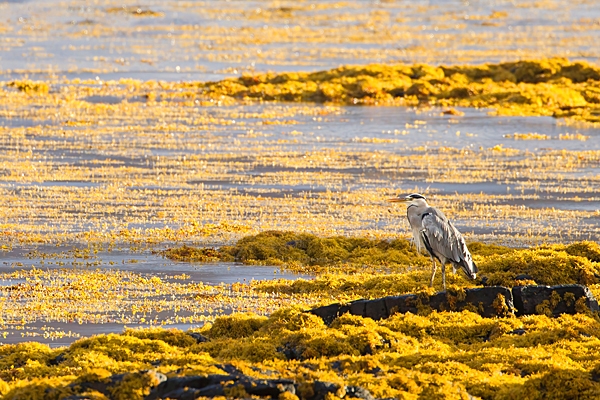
(433, 232)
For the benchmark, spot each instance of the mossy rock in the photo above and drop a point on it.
(551, 87)
(281, 248)
(587, 249)
(195, 254)
(236, 326)
(545, 266)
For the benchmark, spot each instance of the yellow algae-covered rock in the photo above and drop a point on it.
(172, 337)
(236, 326)
(536, 71)
(292, 319)
(421, 90)
(134, 386)
(4, 387)
(558, 384)
(193, 254)
(441, 355)
(25, 359)
(587, 249)
(112, 349)
(289, 248)
(44, 389)
(543, 265)
(554, 87)
(30, 87)
(249, 349)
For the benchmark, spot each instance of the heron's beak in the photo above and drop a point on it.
(397, 200)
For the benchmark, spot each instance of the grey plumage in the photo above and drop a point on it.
(433, 232)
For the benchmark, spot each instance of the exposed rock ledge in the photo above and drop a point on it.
(494, 301)
(232, 384)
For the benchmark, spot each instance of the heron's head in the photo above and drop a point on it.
(414, 198)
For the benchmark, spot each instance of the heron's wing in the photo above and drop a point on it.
(440, 236)
(446, 241)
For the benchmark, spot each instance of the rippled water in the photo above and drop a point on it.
(47, 327)
(147, 265)
(209, 40)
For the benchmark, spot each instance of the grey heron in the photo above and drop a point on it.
(433, 232)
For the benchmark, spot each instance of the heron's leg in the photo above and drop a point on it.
(444, 274)
(433, 273)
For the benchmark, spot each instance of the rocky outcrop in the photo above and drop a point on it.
(494, 301)
(192, 387)
(242, 386)
(235, 384)
(553, 300)
(108, 386)
(231, 384)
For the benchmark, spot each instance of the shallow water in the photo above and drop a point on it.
(140, 263)
(186, 290)
(209, 40)
(311, 151)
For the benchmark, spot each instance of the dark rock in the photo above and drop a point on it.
(376, 309)
(519, 331)
(169, 387)
(490, 301)
(192, 387)
(199, 338)
(401, 304)
(268, 387)
(486, 300)
(439, 302)
(553, 300)
(214, 390)
(291, 351)
(217, 385)
(330, 312)
(230, 369)
(359, 307)
(179, 394)
(524, 277)
(58, 359)
(337, 366)
(322, 389)
(358, 392)
(375, 371)
(105, 386)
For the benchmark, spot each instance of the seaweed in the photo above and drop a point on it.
(307, 253)
(554, 87)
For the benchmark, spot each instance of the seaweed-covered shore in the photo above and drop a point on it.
(428, 354)
(145, 146)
